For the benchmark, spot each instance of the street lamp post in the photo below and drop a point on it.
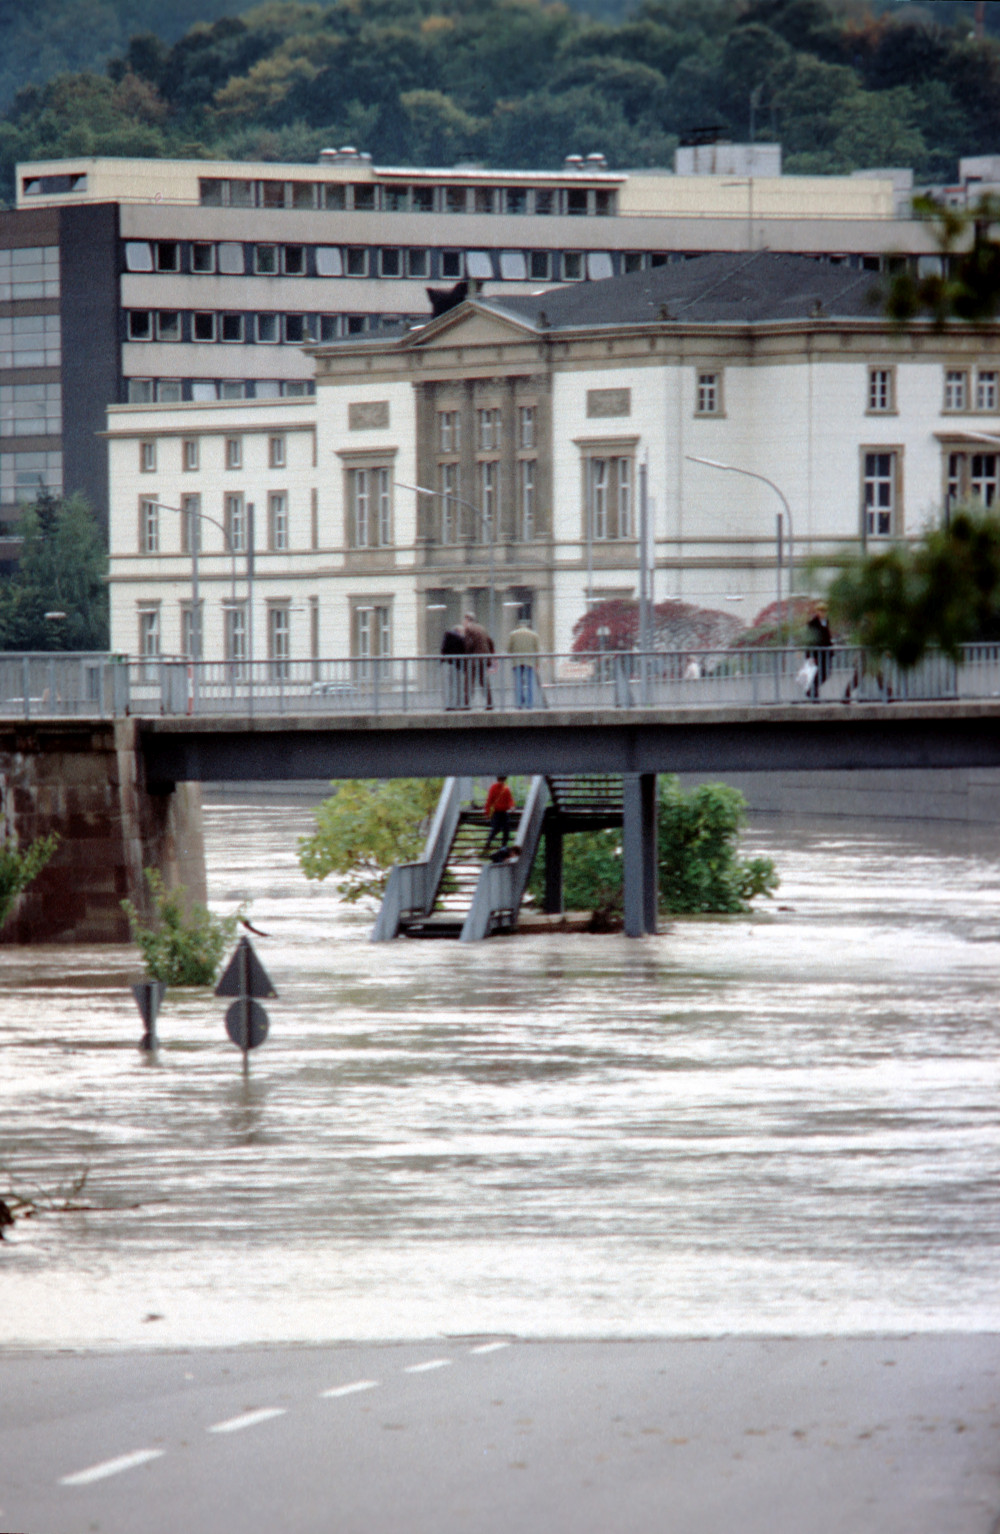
(487, 521)
(195, 542)
(732, 468)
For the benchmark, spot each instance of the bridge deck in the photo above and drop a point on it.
(801, 736)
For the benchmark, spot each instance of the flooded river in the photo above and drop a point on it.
(787, 1123)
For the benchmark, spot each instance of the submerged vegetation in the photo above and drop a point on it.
(18, 869)
(185, 942)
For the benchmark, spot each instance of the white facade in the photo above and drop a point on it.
(864, 432)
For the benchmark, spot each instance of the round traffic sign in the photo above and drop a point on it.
(246, 1023)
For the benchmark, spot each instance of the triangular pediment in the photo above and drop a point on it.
(469, 324)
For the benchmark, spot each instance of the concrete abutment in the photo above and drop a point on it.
(85, 780)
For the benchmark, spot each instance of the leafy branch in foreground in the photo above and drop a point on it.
(18, 869)
(364, 829)
(17, 1203)
(185, 943)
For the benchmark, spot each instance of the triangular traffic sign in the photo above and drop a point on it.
(245, 975)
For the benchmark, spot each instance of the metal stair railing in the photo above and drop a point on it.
(500, 887)
(413, 887)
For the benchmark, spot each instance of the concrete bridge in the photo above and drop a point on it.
(123, 794)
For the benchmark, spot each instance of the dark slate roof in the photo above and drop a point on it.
(741, 289)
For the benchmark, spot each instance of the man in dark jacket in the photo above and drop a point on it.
(478, 645)
(456, 681)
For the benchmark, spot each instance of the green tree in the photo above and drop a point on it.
(365, 828)
(942, 591)
(63, 568)
(700, 870)
(18, 869)
(185, 943)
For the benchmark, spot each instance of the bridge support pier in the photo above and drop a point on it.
(639, 853)
(553, 869)
(85, 780)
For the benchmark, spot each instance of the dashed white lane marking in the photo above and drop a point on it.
(489, 1347)
(432, 1363)
(247, 1419)
(351, 1389)
(111, 1467)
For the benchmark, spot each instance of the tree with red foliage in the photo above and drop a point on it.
(614, 625)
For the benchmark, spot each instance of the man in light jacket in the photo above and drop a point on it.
(525, 646)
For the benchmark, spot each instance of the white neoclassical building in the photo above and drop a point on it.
(491, 460)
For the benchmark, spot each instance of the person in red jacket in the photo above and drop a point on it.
(499, 803)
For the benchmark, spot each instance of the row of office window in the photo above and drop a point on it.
(235, 523)
(371, 631)
(30, 410)
(965, 389)
(231, 454)
(969, 476)
(420, 197)
(23, 476)
(30, 341)
(174, 391)
(488, 429)
(233, 258)
(236, 328)
(31, 272)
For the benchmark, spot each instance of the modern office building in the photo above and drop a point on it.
(491, 461)
(156, 281)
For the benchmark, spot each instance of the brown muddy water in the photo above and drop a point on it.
(780, 1124)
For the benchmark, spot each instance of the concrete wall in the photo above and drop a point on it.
(83, 781)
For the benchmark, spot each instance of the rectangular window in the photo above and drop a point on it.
(513, 266)
(544, 201)
(488, 430)
(189, 639)
(236, 636)
(168, 325)
(489, 488)
(357, 261)
(141, 391)
(516, 199)
(576, 202)
(265, 260)
(138, 256)
(526, 427)
(170, 391)
(484, 199)
(276, 452)
(147, 457)
(202, 257)
(986, 390)
(609, 491)
(390, 263)
(235, 522)
(231, 259)
(572, 264)
(190, 524)
(191, 454)
(417, 263)
(277, 520)
(149, 526)
(449, 431)
(709, 394)
(396, 199)
(267, 328)
(140, 325)
(232, 327)
(168, 256)
(983, 477)
(956, 389)
(328, 262)
(149, 637)
(295, 329)
(294, 260)
(334, 198)
(526, 472)
(372, 632)
(880, 391)
(369, 492)
(880, 494)
(234, 452)
(279, 639)
(451, 264)
(203, 327)
(423, 199)
(539, 265)
(451, 516)
(455, 199)
(30, 410)
(364, 197)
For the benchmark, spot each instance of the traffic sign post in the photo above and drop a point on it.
(246, 978)
(149, 995)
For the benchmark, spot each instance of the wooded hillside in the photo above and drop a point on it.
(842, 84)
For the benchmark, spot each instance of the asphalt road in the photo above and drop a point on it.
(759, 1436)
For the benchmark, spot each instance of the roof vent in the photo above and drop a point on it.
(597, 161)
(325, 155)
(573, 162)
(348, 152)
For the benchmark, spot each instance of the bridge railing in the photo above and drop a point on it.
(105, 686)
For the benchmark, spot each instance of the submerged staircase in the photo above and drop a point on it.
(454, 890)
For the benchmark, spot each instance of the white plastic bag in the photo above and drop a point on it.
(807, 673)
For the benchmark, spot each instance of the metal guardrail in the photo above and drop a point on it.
(106, 686)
